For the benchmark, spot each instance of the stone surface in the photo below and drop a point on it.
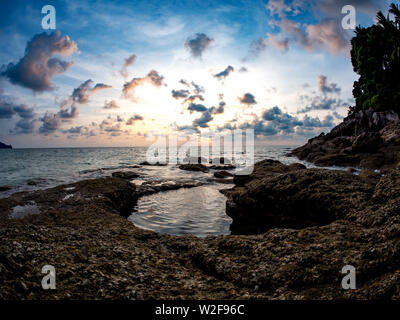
(222, 174)
(125, 175)
(320, 221)
(194, 167)
(366, 139)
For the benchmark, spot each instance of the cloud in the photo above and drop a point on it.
(83, 92)
(218, 110)
(177, 94)
(153, 77)
(132, 120)
(25, 126)
(248, 99)
(198, 44)
(274, 121)
(223, 74)
(194, 107)
(281, 45)
(38, 66)
(325, 87)
(66, 114)
(50, 123)
(6, 110)
(128, 61)
(24, 111)
(110, 105)
(323, 101)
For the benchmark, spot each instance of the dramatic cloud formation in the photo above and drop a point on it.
(153, 77)
(110, 105)
(132, 120)
(276, 122)
(194, 107)
(248, 99)
(180, 94)
(36, 69)
(327, 100)
(325, 87)
(128, 61)
(83, 92)
(223, 74)
(50, 123)
(26, 123)
(198, 44)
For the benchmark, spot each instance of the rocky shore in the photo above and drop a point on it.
(310, 223)
(366, 139)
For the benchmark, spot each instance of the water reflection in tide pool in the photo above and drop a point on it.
(199, 211)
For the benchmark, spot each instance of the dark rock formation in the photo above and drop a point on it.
(146, 163)
(5, 146)
(222, 174)
(125, 175)
(194, 167)
(322, 220)
(5, 188)
(365, 139)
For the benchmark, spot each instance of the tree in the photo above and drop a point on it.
(375, 56)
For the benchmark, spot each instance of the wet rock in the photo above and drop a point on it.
(125, 175)
(194, 167)
(5, 188)
(222, 167)
(280, 196)
(222, 174)
(322, 220)
(146, 163)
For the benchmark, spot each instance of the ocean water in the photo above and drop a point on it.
(199, 211)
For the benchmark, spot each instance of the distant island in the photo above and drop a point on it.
(5, 146)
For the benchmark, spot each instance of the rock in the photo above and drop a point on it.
(366, 139)
(194, 167)
(222, 167)
(146, 163)
(222, 174)
(5, 146)
(279, 196)
(315, 222)
(125, 175)
(5, 188)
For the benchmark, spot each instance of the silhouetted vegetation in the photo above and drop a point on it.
(375, 56)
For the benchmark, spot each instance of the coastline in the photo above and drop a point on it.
(99, 254)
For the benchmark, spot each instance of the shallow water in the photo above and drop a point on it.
(199, 211)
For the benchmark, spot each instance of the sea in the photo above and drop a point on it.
(199, 211)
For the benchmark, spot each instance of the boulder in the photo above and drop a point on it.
(194, 167)
(125, 175)
(222, 174)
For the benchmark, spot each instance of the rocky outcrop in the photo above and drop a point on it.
(125, 175)
(5, 146)
(194, 167)
(365, 139)
(98, 254)
(222, 174)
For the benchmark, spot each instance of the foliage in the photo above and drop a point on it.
(375, 56)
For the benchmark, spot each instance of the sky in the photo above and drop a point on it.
(117, 73)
